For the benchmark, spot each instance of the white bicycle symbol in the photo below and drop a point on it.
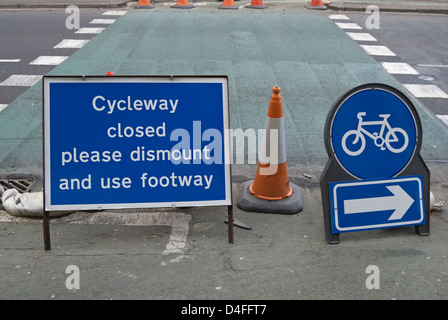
(397, 136)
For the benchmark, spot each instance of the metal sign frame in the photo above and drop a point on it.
(334, 171)
(225, 167)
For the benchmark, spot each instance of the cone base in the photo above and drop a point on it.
(256, 7)
(152, 6)
(317, 7)
(228, 7)
(187, 6)
(248, 202)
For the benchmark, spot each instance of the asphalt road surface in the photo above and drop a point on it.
(34, 41)
(411, 47)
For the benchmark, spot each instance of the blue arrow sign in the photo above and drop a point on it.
(376, 204)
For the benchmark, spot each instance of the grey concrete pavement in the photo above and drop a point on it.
(183, 253)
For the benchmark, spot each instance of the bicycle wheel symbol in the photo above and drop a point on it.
(354, 141)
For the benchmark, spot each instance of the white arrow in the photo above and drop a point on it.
(400, 202)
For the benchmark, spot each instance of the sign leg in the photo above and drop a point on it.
(230, 222)
(46, 226)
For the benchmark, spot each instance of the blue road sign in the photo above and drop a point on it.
(373, 134)
(376, 204)
(123, 142)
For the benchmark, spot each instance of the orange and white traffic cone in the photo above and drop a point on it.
(257, 4)
(144, 4)
(228, 4)
(316, 5)
(271, 190)
(182, 4)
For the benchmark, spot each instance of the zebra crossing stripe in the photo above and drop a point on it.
(48, 60)
(426, 91)
(102, 21)
(361, 36)
(114, 13)
(338, 17)
(71, 44)
(89, 30)
(399, 68)
(443, 117)
(378, 50)
(348, 25)
(21, 80)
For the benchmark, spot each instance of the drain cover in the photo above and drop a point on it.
(22, 184)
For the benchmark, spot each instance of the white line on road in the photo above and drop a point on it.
(426, 91)
(89, 30)
(399, 68)
(433, 65)
(48, 60)
(378, 50)
(114, 13)
(178, 221)
(443, 117)
(9, 60)
(21, 80)
(361, 36)
(71, 44)
(102, 21)
(348, 25)
(3, 106)
(338, 17)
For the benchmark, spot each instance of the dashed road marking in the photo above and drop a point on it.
(87, 30)
(378, 50)
(399, 68)
(348, 25)
(426, 91)
(9, 60)
(433, 65)
(361, 36)
(443, 117)
(71, 44)
(102, 21)
(114, 13)
(338, 17)
(48, 60)
(21, 80)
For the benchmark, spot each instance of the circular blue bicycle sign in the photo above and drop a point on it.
(373, 132)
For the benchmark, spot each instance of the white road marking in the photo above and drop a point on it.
(378, 50)
(114, 13)
(3, 106)
(71, 44)
(102, 21)
(426, 91)
(21, 80)
(48, 60)
(178, 221)
(9, 60)
(348, 25)
(443, 117)
(434, 65)
(361, 36)
(338, 17)
(399, 68)
(89, 30)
